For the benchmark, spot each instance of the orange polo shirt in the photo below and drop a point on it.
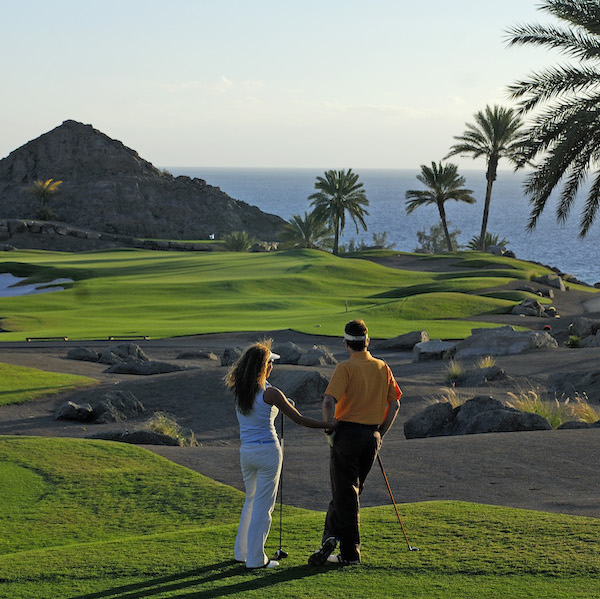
(363, 386)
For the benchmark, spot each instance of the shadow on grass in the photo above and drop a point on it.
(242, 580)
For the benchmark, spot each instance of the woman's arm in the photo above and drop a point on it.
(275, 397)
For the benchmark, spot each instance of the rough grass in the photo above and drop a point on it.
(90, 519)
(20, 384)
(164, 294)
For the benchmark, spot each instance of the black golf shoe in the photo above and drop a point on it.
(319, 557)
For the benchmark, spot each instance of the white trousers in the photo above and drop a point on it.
(261, 467)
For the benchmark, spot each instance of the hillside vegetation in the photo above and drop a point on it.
(164, 294)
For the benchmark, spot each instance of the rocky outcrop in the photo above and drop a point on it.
(303, 386)
(482, 414)
(290, 353)
(108, 187)
(404, 342)
(113, 406)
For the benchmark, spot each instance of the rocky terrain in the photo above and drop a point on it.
(108, 187)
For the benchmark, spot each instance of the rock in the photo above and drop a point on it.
(574, 424)
(197, 355)
(502, 341)
(434, 421)
(477, 377)
(124, 194)
(303, 386)
(317, 356)
(590, 341)
(404, 342)
(584, 327)
(528, 307)
(84, 354)
(144, 367)
(230, 356)
(552, 281)
(108, 357)
(290, 352)
(580, 383)
(73, 411)
(116, 406)
(482, 414)
(129, 351)
(141, 437)
(433, 350)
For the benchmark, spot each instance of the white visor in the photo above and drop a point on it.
(355, 337)
(273, 356)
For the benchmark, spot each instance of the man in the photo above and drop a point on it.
(365, 399)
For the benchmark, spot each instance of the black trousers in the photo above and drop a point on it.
(354, 450)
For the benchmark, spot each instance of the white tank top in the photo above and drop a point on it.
(259, 425)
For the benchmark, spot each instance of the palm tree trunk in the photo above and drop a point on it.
(336, 238)
(490, 177)
(445, 226)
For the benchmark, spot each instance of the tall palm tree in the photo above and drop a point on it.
(339, 192)
(307, 232)
(495, 135)
(443, 183)
(565, 131)
(44, 190)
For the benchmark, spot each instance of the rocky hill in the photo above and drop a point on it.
(108, 187)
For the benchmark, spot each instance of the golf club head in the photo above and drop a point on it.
(281, 554)
(413, 548)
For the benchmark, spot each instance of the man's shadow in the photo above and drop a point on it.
(248, 580)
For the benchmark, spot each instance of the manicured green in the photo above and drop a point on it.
(164, 294)
(19, 383)
(91, 519)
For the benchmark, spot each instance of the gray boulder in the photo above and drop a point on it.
(144, 367)
(141, 437)
(590, 341)
(576, 424)
(434, 421)
(73, 411)
(197, 355)
(403, 342)
(129, 351)
(504, 421)
(85, 354)
(230, 356)
(477, 377)
(290, 352)
(584, 327)
(529, 307)
(303, 386)
(108, 357)
(317, 356)
(433, 350)
(502, 341)
(116, 406)
(552, 281)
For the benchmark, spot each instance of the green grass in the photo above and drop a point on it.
(90, 519)
(165, 294)
(20, 384)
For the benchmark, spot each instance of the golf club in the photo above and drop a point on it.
(280, 553)
(410, 548)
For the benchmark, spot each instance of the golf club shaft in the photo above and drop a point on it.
(392, 498)
(281, 489)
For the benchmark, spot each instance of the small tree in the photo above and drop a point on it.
(309, 231)
(238, 241)
(435, 241)
(44, 190)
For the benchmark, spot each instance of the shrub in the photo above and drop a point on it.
(166, 425)
(489, 240)
(434, 242)
(454, 370)
(450, 395)
(486, 362)
(238, 241)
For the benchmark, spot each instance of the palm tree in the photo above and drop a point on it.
(495, 135)
(339, 192)
(307, 232)
(44, 190)
(443, 183)
(565, 131)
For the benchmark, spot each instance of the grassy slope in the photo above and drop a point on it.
(91, 519)
(20, 384)
(162, 294)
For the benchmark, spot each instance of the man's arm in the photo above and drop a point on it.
(390, 415)
(328, 409)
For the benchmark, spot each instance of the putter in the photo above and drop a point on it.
(410, 548)
(280, 553)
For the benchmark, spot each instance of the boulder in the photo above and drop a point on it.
(290, 352)
(117, 405)
(73, 411)
(144, 367)
(230, 356)
(552, 281)
(482, 414)
(197, 355)
(129, 351)
(476, 377)
(502, 341)
(584, 327)
(84, 354)
(303, 386)
(529, 307)
(590, 341)
(317, 356)
(575, 424)
(108, 357)
(404, 342)
(141, 437)
(434, 421)
(433, 350)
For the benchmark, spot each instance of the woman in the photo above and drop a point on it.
(257, 405)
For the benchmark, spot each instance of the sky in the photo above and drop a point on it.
(262, 83)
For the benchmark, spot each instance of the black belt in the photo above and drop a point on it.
(372, 427)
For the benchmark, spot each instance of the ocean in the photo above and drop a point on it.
(285, 191)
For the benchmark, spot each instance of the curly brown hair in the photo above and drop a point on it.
(249, 374)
